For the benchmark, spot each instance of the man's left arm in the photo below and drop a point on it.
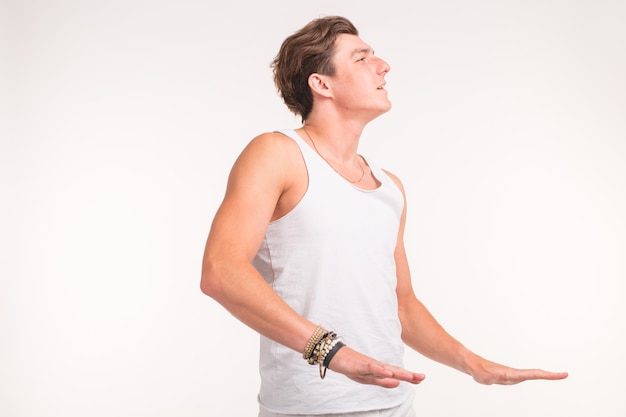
(422, 332)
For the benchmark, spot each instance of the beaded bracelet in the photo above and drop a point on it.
(327, 352)
(318, 350)
(329, 356)
(321, 347)
(317, 336)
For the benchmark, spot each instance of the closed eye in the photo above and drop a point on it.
(363, 54)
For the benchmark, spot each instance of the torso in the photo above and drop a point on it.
(330, 255)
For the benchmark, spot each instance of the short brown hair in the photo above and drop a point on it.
(307, 51)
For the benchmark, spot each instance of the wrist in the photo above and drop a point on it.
(321, 348)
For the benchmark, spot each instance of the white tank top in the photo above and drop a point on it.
(331, 259)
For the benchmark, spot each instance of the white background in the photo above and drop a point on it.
(121, 119)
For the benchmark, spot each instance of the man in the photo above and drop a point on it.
(307, 246)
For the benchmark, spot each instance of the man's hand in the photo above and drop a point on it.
(486, 372)
(366, 370)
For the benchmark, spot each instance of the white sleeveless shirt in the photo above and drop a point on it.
(331, 259)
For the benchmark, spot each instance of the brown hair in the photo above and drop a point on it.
(309, 50)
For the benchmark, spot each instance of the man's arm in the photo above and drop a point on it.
(422, 332)
(256, 182)
(261, 179)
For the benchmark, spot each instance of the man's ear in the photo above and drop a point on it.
(319, 84)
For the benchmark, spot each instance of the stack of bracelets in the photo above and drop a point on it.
(321, 348)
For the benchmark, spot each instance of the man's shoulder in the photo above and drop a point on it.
(275, 136)
(273, 140)
(270, 151)
(274, 144)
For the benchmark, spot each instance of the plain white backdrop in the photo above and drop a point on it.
(121, 119)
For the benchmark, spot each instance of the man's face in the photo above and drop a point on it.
(359, 80)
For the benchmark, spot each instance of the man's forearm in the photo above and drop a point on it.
(422, 332)
(244, 293)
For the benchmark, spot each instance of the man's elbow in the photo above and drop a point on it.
(210, 280)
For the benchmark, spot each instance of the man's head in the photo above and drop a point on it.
(309, 50)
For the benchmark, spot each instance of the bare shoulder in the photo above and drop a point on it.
(272, 144)
(270, 169)
(268, 157)
(268, 154)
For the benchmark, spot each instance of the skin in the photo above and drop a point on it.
(267, 181)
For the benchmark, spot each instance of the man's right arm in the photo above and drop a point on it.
(256, 182)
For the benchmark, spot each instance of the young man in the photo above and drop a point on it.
(307, 246)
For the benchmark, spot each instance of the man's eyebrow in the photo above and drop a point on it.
(362, 50)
